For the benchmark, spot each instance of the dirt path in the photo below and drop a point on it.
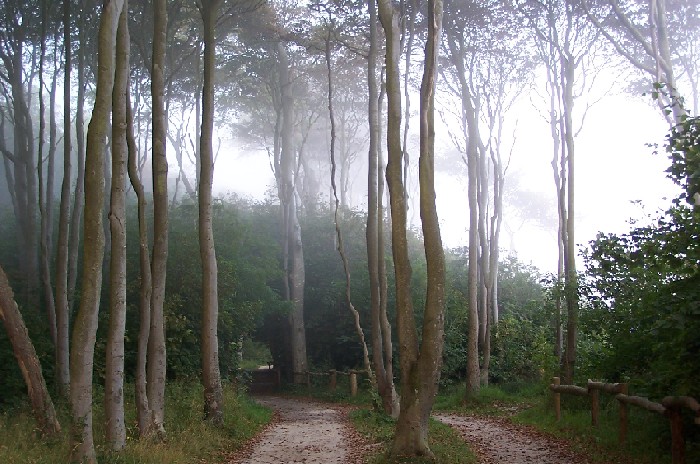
(498, 441)
(304, 432)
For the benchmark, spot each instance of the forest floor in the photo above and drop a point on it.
(306, 431)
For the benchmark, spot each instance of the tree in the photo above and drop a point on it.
(645, 40)
(565, 44)
(486, 69)
(156, 340)
(420, 362)
(114, 366)
(20, 161)
(143, 411)
(62, 354)
(470, 128)
(211, 376)
(382, 356)
(85, 325)
(29, 364)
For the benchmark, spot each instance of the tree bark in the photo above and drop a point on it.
(420, 367)
(85, 325)
(469, 120)
(61, 299)
(79, 196)
(156, 340)
(114, 366)
(381, 333)
(341, 247)
(211, 376)
(29, 364)
(144, 415)
(293, 246)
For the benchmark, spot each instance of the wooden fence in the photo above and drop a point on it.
(333, 378)
(670, 406)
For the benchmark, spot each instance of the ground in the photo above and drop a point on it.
(304, 431)
(309, 432)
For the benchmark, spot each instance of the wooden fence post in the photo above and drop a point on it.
(677, 440)
(557, 398)
(333, 381)
(622, 437)
(353, 384)
(595, 405)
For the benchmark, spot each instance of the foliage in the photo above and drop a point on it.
(645, 303)
(247, 257)
(683, 148)
(521, 342)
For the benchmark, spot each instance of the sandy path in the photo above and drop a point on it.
(304, 432)
(499, 441)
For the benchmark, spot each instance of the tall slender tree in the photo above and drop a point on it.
(156, 341)
(61, 273)
(420, 361)
(211, 376)
(114, 366)
(85, 326)
(382, 356)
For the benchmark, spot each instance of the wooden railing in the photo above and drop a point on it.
(670, 406)
(333, 378)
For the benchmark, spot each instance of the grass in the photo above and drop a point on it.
(648, 437)
(190, 439)
(490, 401)
(445, 443)
(648, 440)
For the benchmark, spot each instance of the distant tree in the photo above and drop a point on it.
(658, 38)
(61, 271)
(565, 44)
(143, 410)
(17, 23)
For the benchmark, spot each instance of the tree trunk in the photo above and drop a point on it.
(29, 364)
(85, 325)
(156, 340)
(144, 415)
(294, 251)
(79, 198)
(114, 367)
(341, 247)
(211, 376)
(420, 367)
(44, 189)
(375, 252)
(570, 275)
(471, 131)
(62, 308)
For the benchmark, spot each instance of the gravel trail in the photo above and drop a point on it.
(306, 432)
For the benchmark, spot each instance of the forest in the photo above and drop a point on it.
(132, 264)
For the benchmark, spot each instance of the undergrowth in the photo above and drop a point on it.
(189, 438)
